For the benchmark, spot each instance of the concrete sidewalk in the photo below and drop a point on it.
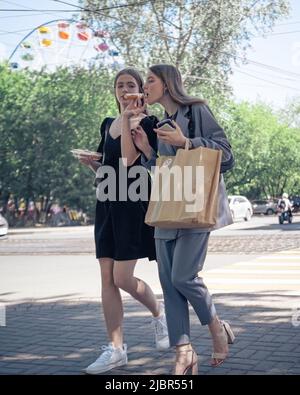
(64, 336)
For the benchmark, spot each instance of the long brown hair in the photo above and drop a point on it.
(171, 77)
(135, 74)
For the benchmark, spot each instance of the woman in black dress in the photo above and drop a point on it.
(121, 236)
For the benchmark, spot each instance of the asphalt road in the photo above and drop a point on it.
(56, 263)
(261, 225)
(261, 234)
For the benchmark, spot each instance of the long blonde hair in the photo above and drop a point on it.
(171, 77)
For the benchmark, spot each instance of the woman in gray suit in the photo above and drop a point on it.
(181, 252)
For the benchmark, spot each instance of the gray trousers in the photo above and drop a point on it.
(179, 262)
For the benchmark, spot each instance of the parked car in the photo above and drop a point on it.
(3, 227)
(267, 207)
(240, 207)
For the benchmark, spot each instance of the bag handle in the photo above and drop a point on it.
(187, 143)
(186, 147)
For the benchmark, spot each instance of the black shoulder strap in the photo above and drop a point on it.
(191, 126)
(101, 148)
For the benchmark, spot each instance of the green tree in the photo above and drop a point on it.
(203, 38)
(291, 114)
(43, 116)
(266, 151)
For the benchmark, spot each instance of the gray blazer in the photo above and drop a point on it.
(207, 134)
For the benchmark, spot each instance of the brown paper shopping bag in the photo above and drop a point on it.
(185, 189)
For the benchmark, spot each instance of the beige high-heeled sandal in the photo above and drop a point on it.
(191, 368)
(227, 333)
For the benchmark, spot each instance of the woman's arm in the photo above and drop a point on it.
(208, 134)
(149, 153)
(145, 139)
(212, 136)
(128, 149)
(92, 164)
(95, 164)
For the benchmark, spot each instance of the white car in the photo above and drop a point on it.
(3, 227)
(240, 207)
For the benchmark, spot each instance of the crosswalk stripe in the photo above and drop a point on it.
(216, 280)
(278, 271)
(242, 271)
(279, 258)
(289, 252)
(262, 264)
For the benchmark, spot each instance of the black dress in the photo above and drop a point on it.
(120, 230)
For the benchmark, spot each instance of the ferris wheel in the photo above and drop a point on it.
(64, 43)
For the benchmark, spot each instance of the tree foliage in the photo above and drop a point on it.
(266, 151)
(203, 38)
(44, 115)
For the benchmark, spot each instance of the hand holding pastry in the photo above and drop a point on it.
(136, 105)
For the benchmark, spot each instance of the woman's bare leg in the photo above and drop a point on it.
(111, 302)
(137, 288)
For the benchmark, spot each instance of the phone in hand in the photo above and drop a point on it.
(166, 125)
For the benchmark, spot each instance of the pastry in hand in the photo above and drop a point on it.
(133, 96)
(80, 153)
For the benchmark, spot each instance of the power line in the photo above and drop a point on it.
(3, 32)
(262, 79)
(159, 34)
(105, 8)
(273, 68)
(122, 6)
(75, 6)
(253, 62)
(258, 64)
(95, 11)
(19, 16)
(278, 34)
(64, 2)
(132, 25)
(273, 76)
(270, 82)
(154, 32)
(289, 23)
(24, 8)
(29, 10)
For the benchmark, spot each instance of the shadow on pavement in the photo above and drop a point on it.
(63, 337)
(284, 227)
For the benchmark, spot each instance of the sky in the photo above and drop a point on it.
(281, 50)
(276, 86)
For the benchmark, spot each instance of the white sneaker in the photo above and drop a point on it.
(161, 330)
(110, 358)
